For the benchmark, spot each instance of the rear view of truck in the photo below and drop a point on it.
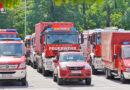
(115, 54)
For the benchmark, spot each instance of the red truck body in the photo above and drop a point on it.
(94, 50)
(115, 54)
(39, 28)
(50, 38)
(108, 42)
(28, 48)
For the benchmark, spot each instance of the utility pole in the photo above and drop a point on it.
(25, 18)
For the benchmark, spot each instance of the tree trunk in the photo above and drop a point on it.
(84, 15)
(108, 16)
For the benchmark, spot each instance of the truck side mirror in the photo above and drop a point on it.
(115, 56)
(55, 60)
(82, 38)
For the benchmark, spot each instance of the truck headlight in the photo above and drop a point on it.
(63, 68)
(22, 65)
(87, 67)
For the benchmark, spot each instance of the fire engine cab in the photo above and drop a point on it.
(12, 60)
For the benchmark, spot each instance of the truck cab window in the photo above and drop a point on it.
(120, 54)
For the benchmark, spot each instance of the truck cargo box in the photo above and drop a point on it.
(39, 28)
(109, 39)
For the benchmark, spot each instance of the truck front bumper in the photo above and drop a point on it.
(127, 75)
(16, 74)
(69, 75)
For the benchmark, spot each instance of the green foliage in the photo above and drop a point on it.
(10, 3)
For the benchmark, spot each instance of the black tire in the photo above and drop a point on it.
(60, 81)
(88, 81)
(31, 64)
(39, 70)
(27, 61)
(122, 78)
(23, 81)
(34, 65)
(54, 78)
(109, 74)
(94, 71)
(45, 72)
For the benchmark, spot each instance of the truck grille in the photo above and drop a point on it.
(75, 68)
(8, 67)
(75, 74)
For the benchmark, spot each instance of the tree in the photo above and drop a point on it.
(9, 3)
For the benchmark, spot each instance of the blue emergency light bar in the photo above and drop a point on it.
(11, 31)
(8, 30)
(126, 43)
(61, 29)
(8, 39)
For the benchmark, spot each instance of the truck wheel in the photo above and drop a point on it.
(45, 72)
(88, 81)
(94, 71)
(60, 81)
(39, 70)
(54, 78)
(122, 78)
(23, 81)
(34, 65)
(109, 74)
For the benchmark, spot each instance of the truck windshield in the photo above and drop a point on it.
(10, 49)
(8, 36)
(126, 51)
(72, 58)
(62, 39)
(99, 39)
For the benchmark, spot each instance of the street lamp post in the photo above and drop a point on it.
(25, 18)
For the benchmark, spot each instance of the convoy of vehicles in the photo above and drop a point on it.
(50, 38)
(116, 54)
(12, 60)
(58, 48)
(71, 66)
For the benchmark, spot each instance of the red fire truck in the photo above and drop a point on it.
(12, 60)
(32, 54)
(116, 54)
(71, 66)
(28, 48)
(55, 36)
(94, 50)
(8, 33)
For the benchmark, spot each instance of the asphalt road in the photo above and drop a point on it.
(36, 81)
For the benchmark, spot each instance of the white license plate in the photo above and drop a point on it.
(75, 72)
(6, 75)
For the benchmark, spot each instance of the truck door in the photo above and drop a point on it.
(120, 61)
